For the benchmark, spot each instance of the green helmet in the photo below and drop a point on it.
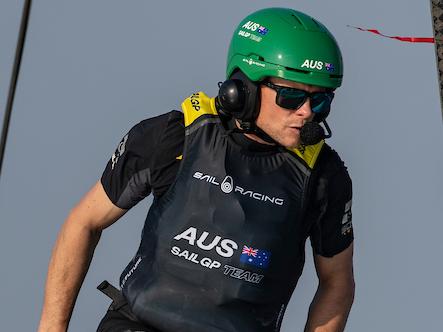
(285, 43)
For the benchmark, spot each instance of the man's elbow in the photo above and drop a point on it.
(342, 289)
(78, 223)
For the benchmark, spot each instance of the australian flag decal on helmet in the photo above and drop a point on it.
(262, 30)
(329, 67)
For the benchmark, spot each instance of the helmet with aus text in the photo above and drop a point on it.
(285, 43)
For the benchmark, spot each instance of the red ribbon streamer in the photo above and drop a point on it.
(404, 39)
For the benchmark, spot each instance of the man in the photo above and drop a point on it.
(239, 182)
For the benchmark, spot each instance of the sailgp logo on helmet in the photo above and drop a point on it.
(251, 62)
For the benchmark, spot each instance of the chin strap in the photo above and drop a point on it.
(251, 128)
(310, 134)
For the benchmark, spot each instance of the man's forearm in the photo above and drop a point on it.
(330, 308)
(69, 263)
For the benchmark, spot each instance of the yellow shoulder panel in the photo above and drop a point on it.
(309, 153)
(196, 105)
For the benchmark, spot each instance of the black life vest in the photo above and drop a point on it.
(223, 248)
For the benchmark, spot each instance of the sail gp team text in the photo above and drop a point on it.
(193, 257)
(222, 247)
(228, 270)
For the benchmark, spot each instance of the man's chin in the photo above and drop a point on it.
(290, 140)
(291, 145)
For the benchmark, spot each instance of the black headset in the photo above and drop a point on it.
(239, 97)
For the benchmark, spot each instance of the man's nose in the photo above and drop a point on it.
(305, 110)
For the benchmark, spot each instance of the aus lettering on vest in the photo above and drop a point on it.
(311, 64)
(223, 247)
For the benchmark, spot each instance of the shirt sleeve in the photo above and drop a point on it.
(127, 178)
(332, 231)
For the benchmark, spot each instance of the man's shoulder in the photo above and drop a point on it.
(153, 134)
(332, 180)
(155, 128)
(330, 162)
(171, 118)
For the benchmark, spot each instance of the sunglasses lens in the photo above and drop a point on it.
(321, 102)
(291, 98)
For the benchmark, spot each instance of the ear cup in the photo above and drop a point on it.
(232, 97)
(239, 97)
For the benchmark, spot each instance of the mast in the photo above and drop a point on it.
(437, 21)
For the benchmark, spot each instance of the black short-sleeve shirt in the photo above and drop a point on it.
(148, 157)
(330, 206)
(146, 160)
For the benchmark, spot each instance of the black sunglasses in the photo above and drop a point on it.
(293, 99)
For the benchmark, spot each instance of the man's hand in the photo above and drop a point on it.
(72, 255)
(333, 300)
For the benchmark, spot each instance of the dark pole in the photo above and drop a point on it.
(14, 77)
(437, 21)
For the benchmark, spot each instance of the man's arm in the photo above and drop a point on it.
(332, 303)
(72, 255)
